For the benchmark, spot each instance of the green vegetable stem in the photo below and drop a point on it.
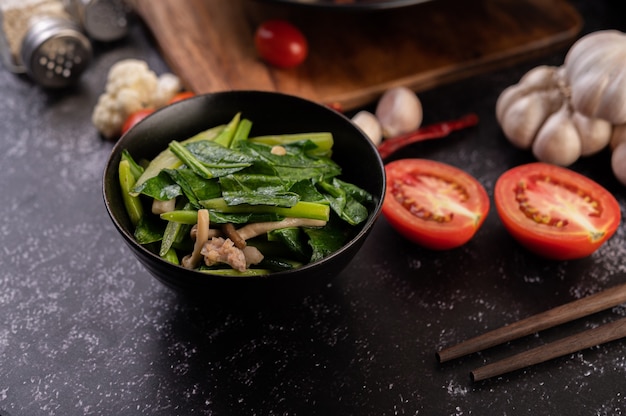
(127, 182)
(302, 209)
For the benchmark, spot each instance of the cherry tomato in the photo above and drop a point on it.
(554, 211)
(135, 118)
(180, 97)
(281, 44)
(433, 204)
(335, 105)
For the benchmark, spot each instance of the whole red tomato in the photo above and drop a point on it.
(181, 96)
(281, 44)
(433, 204)
(135, 118)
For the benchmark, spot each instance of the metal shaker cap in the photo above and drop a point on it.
(104, 20)
(55, 52)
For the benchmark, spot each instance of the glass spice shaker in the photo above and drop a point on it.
(102, 20)
(39, 38)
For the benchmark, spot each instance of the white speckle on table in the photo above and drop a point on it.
(455, 389)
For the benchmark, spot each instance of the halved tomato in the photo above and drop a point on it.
(555, 212)
(433, 204)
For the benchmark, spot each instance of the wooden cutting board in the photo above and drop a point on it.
(355, 56)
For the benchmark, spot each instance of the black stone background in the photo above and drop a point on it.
(85, 330)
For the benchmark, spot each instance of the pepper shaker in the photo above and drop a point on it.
(40, 39)
(102, 20)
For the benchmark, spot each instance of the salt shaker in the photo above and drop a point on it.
(102, 20)
(39, 38)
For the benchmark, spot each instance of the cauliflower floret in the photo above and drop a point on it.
(106, 117)
(132, 74)
(167, 87)
(131, 86)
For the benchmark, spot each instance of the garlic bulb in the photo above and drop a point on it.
(536, 114)
(595, 71)
(578, 109)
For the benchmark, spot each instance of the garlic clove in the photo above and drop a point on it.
(557, 141)
(370, 125)
(506, 99)
(399, 111)
(594, 133)
(541, 78)
(524, 117)
(618, 162)
(618, 136)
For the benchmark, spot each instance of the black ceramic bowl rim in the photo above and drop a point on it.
(187, 118)
(351, 6)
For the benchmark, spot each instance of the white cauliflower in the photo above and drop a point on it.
(168, 86)
(131, 86)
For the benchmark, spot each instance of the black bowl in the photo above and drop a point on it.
(270, 113)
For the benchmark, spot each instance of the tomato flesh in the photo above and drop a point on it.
(554, 211)
(281, 44)
(433, 204)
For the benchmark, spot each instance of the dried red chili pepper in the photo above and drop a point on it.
(433, 131)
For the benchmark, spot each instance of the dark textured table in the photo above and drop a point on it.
(84, 329)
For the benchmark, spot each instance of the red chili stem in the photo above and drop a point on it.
(433, 131)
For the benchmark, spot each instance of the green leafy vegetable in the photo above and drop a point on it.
(245, 180)
(167, 159)
(135, 168)
(325, 241)
(209, 159)
(194, 187)
(323, 141)
(148, 231)
(295, 165)
(241, 134)
(255, 189)
(293, 239)
(174, 233)
(160, 187)
(346, 200)
(225, 137)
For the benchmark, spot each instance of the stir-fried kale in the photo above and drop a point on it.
(242, 180)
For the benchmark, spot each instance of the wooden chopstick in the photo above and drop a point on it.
(561, 314)
(577, 342)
